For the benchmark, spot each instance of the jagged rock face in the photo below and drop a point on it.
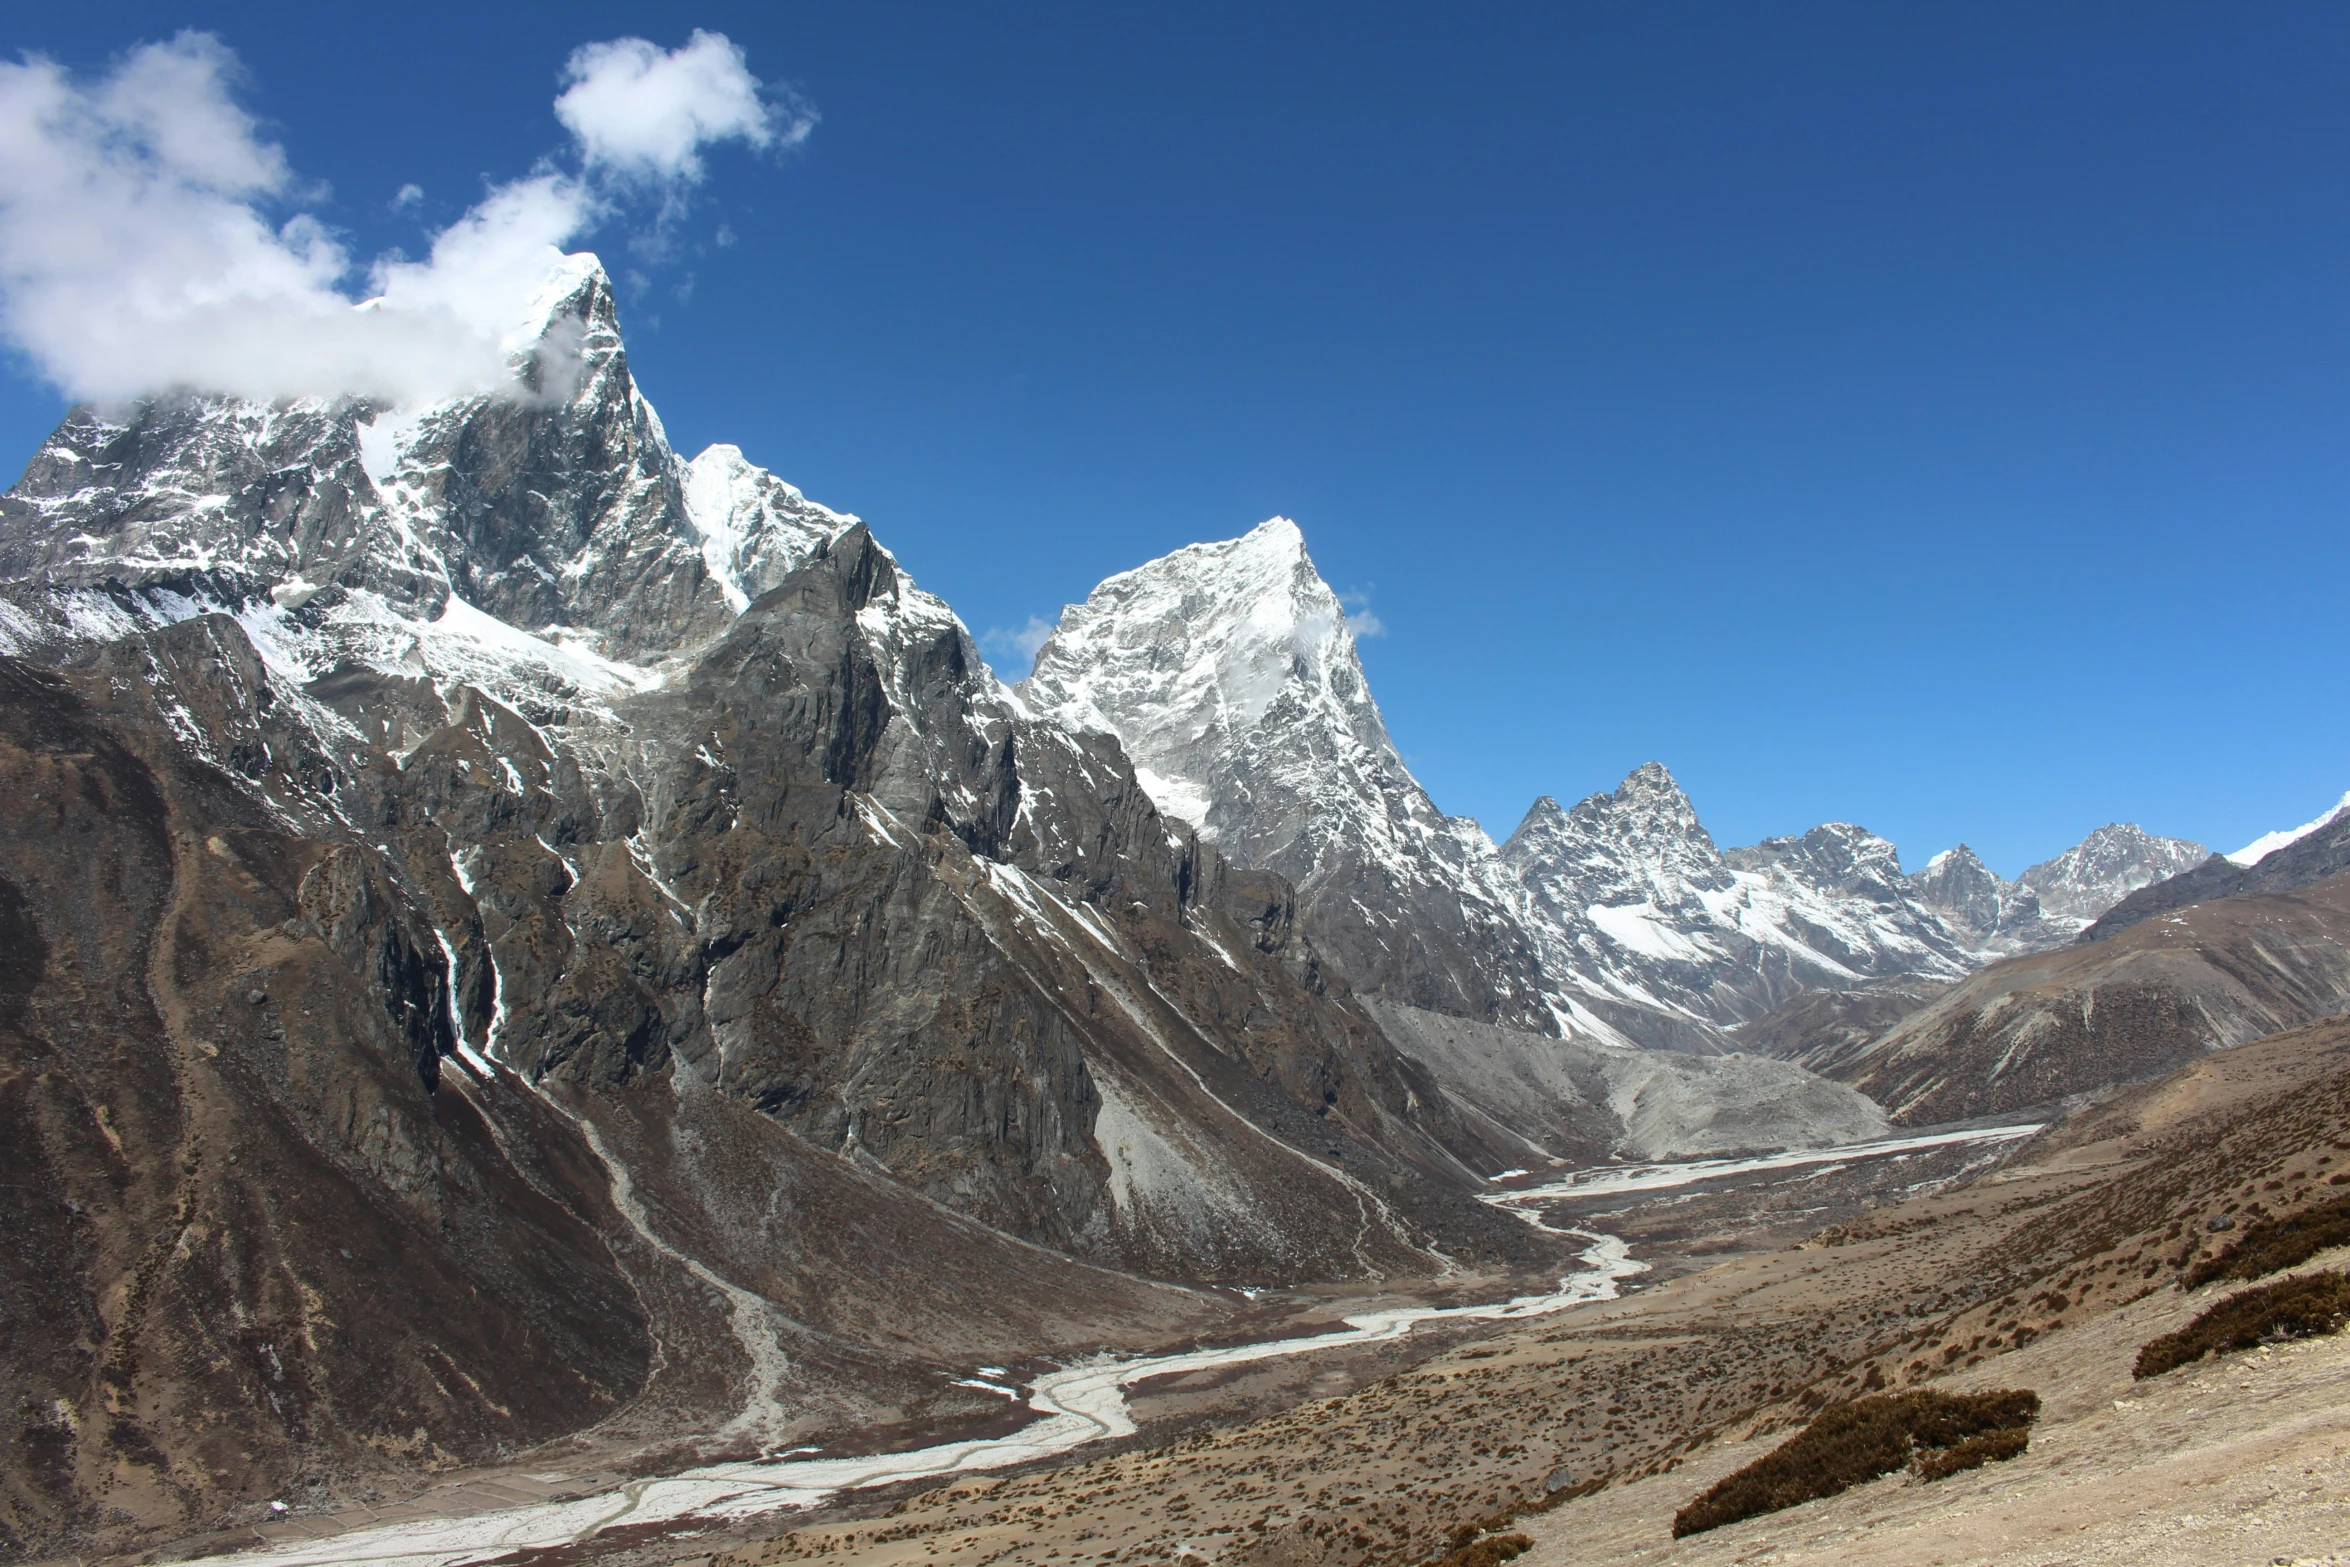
(1228, 673)
(1672, 940)
(270, 1226)
(2054, 900)
(2302, 858)
(253, 1225)
(178, 489)
(2116, 860)
(844, 924)
(840, 787)
(1971, 896)
(562, 512)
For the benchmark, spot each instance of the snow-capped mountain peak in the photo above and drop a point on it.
(1208, 641)
(754, 528)
(559, 513)
(1227, 672)
(1672, 940)
(2054, 900)
(2268, 843)
(1642, 842)
(2106, 867)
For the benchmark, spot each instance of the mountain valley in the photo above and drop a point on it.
(525, 954)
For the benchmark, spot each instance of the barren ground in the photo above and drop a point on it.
(2046, 1274)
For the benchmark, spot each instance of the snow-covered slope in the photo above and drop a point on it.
(2268, 843)
(550, 547)
(1632, 901)
(1229, 675)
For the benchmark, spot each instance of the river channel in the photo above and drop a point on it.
(1076, 1406)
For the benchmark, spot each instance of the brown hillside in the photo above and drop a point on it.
(2036, 1029)
(2046, 1275)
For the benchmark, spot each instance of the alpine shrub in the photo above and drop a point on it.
(2290, 1308)
(1491, 1551)
(1851, 1444)
(1973, 1453)
(2276, 1244)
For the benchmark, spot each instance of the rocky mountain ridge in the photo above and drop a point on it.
(2300, 858)
(1228, 672)
(2055, 900)
(2032, 1032)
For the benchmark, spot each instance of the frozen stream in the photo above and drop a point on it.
(1078, 1405)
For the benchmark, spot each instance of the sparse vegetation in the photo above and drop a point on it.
(1854, 1443)
(1491, 1551)
(2276, 1244)
(2290, 1308)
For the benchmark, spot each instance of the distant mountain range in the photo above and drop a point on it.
(1228, 673)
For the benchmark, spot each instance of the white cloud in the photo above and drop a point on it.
(1359, 619)
(1023, 643)
(410, 195)
(645, 115)
(137, 254)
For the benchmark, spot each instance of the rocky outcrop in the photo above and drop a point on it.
(2304, 860)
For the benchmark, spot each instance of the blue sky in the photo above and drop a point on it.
(1932, 417)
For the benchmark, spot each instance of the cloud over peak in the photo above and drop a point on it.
(137, 253)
